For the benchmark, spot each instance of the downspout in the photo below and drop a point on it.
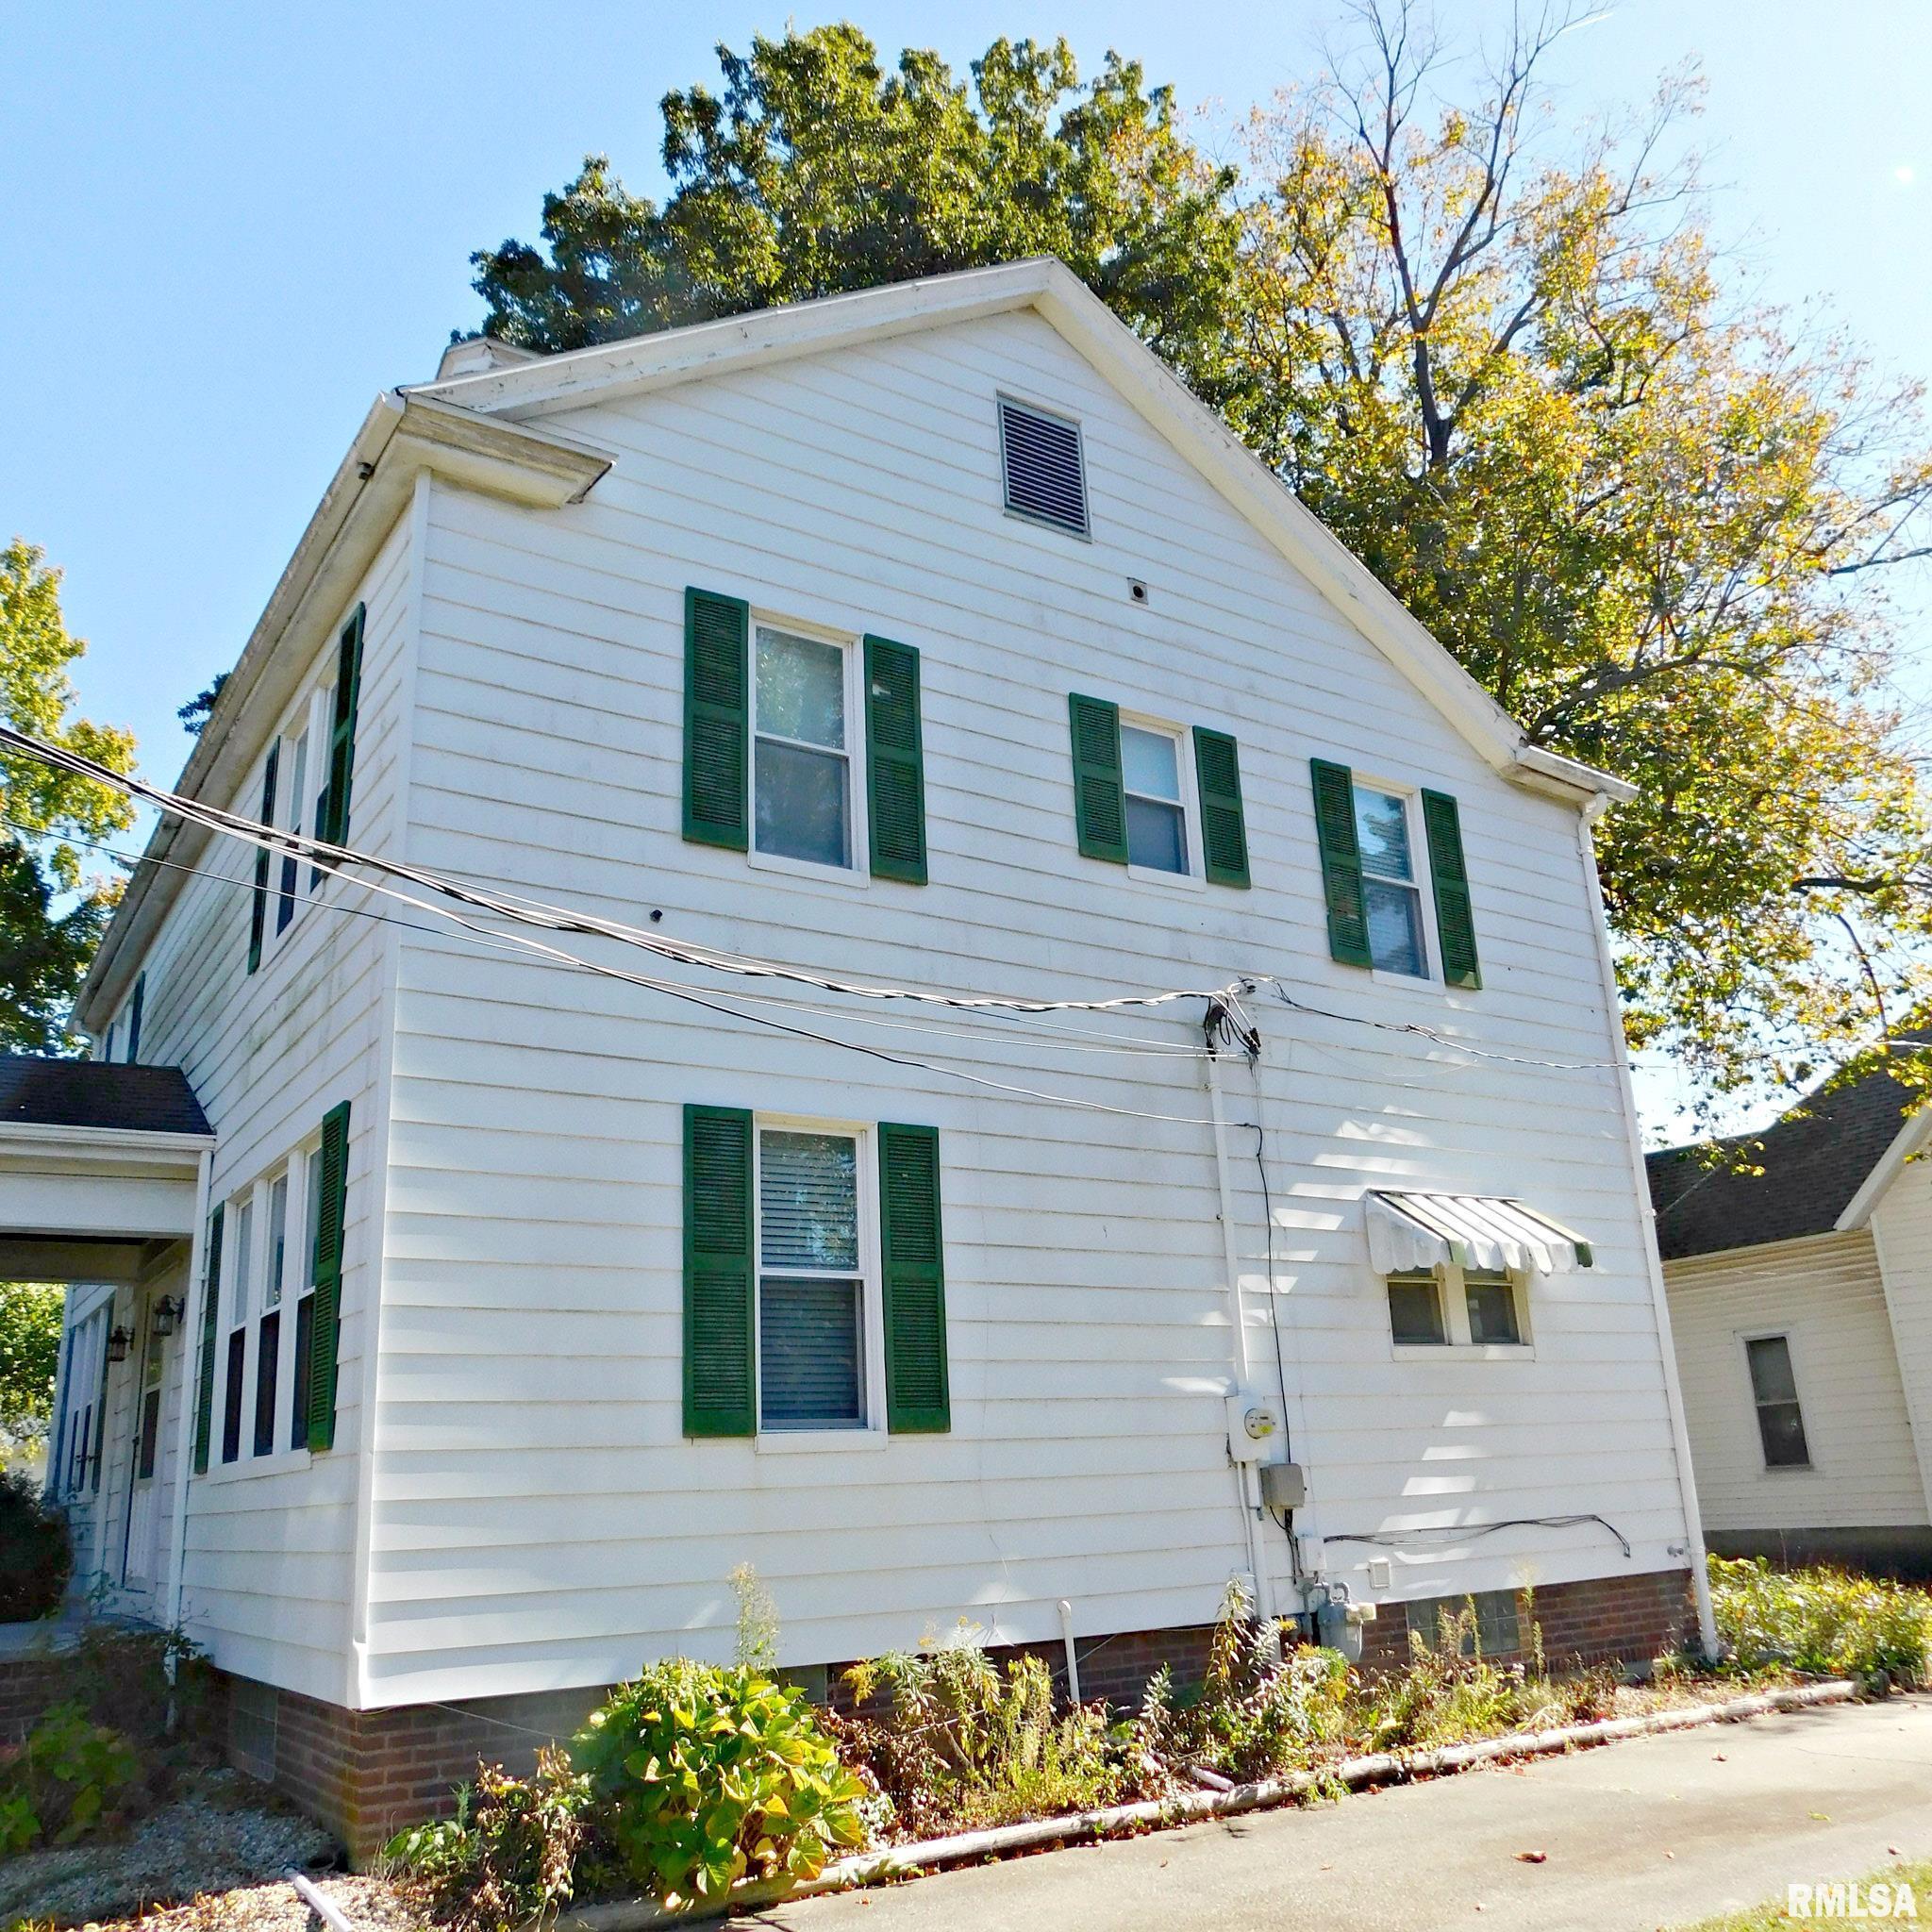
(1673, 1393)
(191, 1383)
(1238, 1344)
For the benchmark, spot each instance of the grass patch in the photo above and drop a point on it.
(1771, 1915)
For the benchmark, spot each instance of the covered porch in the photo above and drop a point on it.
(103, 1186)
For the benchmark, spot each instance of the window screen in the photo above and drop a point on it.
(811, 1297)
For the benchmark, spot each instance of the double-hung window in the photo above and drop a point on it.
(298, 764)
(268, 1351)
(815, 1282)
(803, 781)
(241, 1279)
(1775, 1392)
(1392, 898)
(1151, 766)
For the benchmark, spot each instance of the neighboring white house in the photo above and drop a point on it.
(1800, 1283)
(931, 639)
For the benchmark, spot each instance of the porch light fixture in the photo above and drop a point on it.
(167, 1313)
(117, 1345)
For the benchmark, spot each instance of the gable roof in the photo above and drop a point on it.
(1818, 1162)
(1047, 286)
(484, 432)
(36, 1093)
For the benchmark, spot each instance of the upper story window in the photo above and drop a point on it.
(803, 769)
(1382, 912)
(1392, 901)
(1044, 467)
(305, 789)
(1155, 797)
(135, 1007)
(1156, 807)
(804, 749)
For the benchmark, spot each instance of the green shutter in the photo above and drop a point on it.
(325, 1317)
(1342, 863)
(718, 1271)
(717, 719)
(258, 911)
(894, 761)
(1224, 823)
(205, 1368)
(1100, 800)
(1455, 921)
(912, 1257)
(333, 820)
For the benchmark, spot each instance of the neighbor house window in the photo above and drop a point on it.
(811, 1282)
(1391, 898)
(1490, 1299)
(1415, 1309)
(1156, 813)
(802, 756)
(1775, 1390)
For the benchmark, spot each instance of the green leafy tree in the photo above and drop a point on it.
(31, 1317)
(1500, 358)
(44, 949)
(816, 171)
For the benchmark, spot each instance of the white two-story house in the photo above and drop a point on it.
(497, 1289)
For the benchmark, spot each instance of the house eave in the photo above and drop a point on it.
(403, 436)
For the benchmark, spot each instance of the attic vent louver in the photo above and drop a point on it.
(1047, 478)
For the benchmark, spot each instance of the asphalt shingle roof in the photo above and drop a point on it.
(1814, 1160)
(97, 1093)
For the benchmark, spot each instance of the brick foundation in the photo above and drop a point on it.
(1599, 1620)
(367, 1773)
(28, 1686)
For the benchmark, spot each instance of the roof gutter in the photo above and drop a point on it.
(402, 436)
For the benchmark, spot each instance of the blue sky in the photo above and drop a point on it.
(231, 227)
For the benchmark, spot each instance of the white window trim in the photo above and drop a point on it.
(1455, 1305)
(1412, 798)
(1781, 1472)
(239, 1304)
(311, 714)
(859, 871)
(1195, 878)
(871, 1431)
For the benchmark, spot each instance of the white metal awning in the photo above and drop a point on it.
(1410, 1232)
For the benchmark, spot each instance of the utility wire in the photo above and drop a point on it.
(525, 909)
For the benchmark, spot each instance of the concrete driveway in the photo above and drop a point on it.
(1656, 1832)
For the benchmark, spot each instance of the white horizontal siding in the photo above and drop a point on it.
(268, 1579)
(539, 1518)
(1902, 1231)
(1823, 1293)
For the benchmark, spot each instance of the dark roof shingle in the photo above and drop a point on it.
(97, 1093)
(1814, 1159)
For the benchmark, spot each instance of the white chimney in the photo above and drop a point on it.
(478, 356)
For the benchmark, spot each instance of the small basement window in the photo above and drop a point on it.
(1775, 1390)
(1044, 466)
(1495, 1630)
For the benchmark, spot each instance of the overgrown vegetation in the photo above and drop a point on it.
(36, 1554)
(1826, 1622)
(698, 1777)
(115, 1742)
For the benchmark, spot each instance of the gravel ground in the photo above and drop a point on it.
(218, 1836)
(372, 1905)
